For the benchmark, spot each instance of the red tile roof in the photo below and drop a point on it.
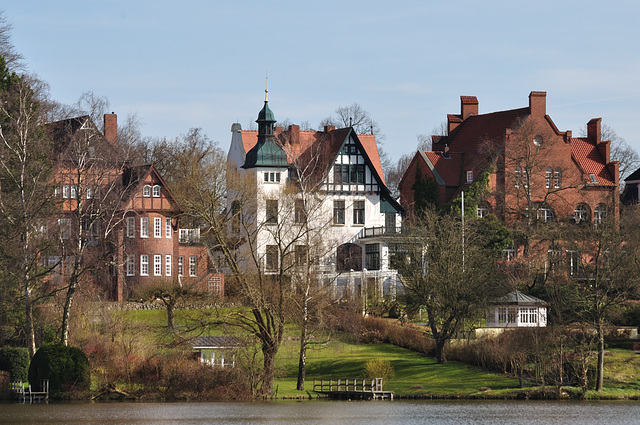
(307, 146)
(590, 160)
(447, 167)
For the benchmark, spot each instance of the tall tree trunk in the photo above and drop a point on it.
(28, 319)
(302, 360)
(66, 311)
(441, 357)
(600, 366)
(269, 352)
(170, 314)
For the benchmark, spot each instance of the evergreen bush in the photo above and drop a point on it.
(66, 368)
(15, 360)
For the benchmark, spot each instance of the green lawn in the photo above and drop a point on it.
(342, 360)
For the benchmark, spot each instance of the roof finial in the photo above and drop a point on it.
(266, 88)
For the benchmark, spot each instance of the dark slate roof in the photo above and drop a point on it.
(633, 176)
(216, 342)
(519, 298)
(266, 154)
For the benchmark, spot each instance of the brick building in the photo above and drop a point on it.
(535, 172)
(122, 221)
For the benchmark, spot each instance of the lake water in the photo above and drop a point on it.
(397, 412)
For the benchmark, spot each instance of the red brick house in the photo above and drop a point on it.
(122, 220)
(535, 171)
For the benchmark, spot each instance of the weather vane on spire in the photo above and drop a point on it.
(266, 88)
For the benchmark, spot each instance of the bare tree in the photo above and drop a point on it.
(25, 190)
(448, 273)
(13, 59)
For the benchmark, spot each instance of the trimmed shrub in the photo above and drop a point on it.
(66, 368)
(15, 360)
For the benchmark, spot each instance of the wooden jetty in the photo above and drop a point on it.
(352, 389)
(28, 394)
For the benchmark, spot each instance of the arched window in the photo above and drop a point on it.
(146, 191)
(518, 175)
(599, 214)
(545, 214)
(537, 140)
(557, 178)
(548, 177)
(581, 214)
(156, 191)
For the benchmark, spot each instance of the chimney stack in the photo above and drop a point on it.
(538, 103)
(294, 134)
(111, 127)
(469, 106)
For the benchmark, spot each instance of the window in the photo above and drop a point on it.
(180, 266)
(144, 265)
(167, 265)
(537, 140)
(502, 315)
(146, 191)
(65, 228)
(518, 176)
(390, 223)
(131, 227)
(469, 177)
(272, 211)
(573, 262)
(167, 227)
(593, 178)
(545, 214)
(74, 191)
(89, 192)
(91, 227)
(144, 227)
(272, 177)
(57, 191)
(599, 214)
(581, 214)
(508, 254)
(156, 191)
(66, 191)
(131, 265)
(157, 227)
(157, 265)
(300, 215)
(372, 256)
(557, 178)
(358, 212)
(353, 174)
(301, 255)
(193, 266)
(338, 212)
(548, 176)
(528, 315)
(482, 211)
(271, 257)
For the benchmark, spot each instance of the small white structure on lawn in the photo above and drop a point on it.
(216, 350)
(517, 310)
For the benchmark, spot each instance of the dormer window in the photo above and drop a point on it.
(469, 177)
(593, 178)
(146, 191)
(156, 191)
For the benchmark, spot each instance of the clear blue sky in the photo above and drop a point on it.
(188, 64)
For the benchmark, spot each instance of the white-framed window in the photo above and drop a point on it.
(89, 192)
(581, 214)
(167, 265)
(66, 191)
(157, 227)
(557, 178)
(272, 177)
(144, 227)
(74, 192)
(65, 227)
(193, 266)
(167, 227)
(482, 211)
(358, 212)
(131, 227)
(574, 262)
(599, 214)
(518, 176)
(146, 191)
(157, 265)
(271, 258)
(469, 176)
(338, 212)
(181, 266)
(144, 265)
(131, 265)
(545, 214)
(547, 178)
(156, 191)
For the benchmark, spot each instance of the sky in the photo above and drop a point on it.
(188, 64)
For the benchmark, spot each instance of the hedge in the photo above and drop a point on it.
(66, 368)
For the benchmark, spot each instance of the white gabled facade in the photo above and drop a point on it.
(350, 210)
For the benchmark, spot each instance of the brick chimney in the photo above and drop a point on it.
(328, 128)
(593, 130)
(468, 106)
(111, 127)
(294, 134)
(538, 103)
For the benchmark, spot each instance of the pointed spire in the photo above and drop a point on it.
(266, 88)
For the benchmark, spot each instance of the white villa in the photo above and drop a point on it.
(330, 181)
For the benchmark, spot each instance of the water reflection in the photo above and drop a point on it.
(326, 412)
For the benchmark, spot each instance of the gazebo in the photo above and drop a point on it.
(216, 350)
(517, 310)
